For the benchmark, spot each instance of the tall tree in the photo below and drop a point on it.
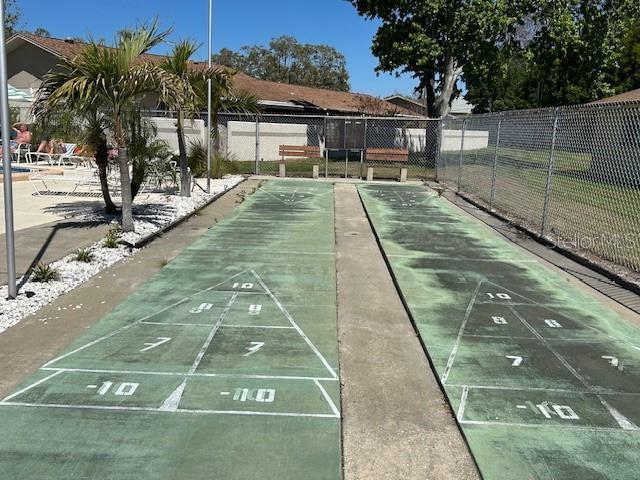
(568, 51)
(115, 80)
(433, 39)
(12, 15)
(288, 61)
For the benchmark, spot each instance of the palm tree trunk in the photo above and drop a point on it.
(185, 183)
(125, 187)
(102, 160)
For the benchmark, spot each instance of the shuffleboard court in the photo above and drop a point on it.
(223, 365)
(544, 379)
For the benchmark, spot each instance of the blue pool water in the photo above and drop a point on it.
(15, 169)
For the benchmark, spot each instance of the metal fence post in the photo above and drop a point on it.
(326, 152)
(438, 144)
(547, 192)
(464, 125)
(495, 164)
(257, 146)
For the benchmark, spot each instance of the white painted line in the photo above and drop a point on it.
(137, 322)
(29, 387)
(295, 325)
(542, 389)
(286, 327)
(469, 335)
(215, 328)
(456, 345)
(176, 324)
(623, 421)
(113, 333)
(180, 410)
(463, 403)
(197, 374)
(539, 425)
(328, 399)
(172, 401)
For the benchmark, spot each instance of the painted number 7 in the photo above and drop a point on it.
(253, 348)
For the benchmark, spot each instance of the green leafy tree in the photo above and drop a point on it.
(434, 40)
(12, 16)
(113, 80)
(41, 32)
(628, 76)
(286, 60)
(564, 52)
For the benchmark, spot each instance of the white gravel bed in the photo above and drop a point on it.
(150, 215)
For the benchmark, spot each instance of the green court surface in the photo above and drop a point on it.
(223, 365)
(544, 379)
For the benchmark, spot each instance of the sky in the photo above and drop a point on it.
(235, 23)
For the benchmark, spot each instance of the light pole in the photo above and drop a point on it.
(6, 162)
(209, 102)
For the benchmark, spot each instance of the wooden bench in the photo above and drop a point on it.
(299, 151)
(392, 155)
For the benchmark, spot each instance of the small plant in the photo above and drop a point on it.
(112, 237)
(44, 273)
(114, 230)
(83, 255)
(110, 241)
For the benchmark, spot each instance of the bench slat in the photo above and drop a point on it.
(299, 151)
(387, 154)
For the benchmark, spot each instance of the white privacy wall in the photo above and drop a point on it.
(241, 139)
(194, 131)
(473, 140)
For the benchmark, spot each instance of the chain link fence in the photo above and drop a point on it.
(571, 174)
(344, 146)
(340, 146)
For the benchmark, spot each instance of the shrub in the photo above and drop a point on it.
(83, 255)
(44, 273)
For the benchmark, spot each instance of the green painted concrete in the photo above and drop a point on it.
(525, 357)
(223, 365)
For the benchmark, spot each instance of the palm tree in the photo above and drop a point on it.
(115, 80)
(95, 137)
(194, 80)
(224, 98)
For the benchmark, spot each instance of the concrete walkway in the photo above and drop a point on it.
(49, 242)
(397, 423)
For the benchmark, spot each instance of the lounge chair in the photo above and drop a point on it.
(59, 158)
(76, 180)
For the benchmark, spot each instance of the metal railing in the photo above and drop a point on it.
(569, 174)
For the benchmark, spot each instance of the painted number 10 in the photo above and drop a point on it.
(242, 285)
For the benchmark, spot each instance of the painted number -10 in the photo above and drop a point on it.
(501, 296)
(563, 411)
(121, 389)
